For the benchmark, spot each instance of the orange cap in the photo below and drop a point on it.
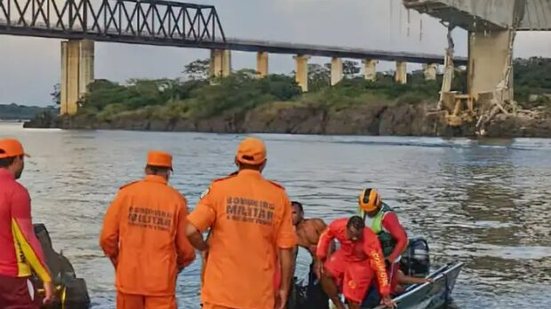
(251, 150)
(159, 158)
(10, 147)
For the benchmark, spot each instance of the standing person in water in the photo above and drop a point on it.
(308, 233)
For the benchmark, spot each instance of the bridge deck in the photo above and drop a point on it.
(484, 15)
(235, 44)
(162, 23)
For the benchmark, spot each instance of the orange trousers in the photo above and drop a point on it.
(131, 301)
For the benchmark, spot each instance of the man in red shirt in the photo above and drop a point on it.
(20, 250)
(353, 266)
(383, 221)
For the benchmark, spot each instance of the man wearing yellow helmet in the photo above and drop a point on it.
(384, 222)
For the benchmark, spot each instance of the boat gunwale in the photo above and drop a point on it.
(437, 274)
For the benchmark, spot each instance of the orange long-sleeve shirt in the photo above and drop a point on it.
(250, 220)
(368, 248)
(20, 250)
(144, 234)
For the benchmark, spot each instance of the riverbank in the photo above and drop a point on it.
(244, 103)
(280, 117)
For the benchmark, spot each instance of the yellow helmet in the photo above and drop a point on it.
(369, 200)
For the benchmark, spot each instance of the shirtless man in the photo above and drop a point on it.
(308, 232)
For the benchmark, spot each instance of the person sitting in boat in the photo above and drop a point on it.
(384, 222)
(308, 233)
(354, 265)
(404, 279)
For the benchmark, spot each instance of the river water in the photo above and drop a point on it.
(486, 203)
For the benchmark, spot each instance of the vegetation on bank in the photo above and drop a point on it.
(22, 112)
(196, 96)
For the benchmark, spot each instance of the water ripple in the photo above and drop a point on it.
(484, 202)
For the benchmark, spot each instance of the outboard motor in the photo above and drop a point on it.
(415, 260)
(71, 292)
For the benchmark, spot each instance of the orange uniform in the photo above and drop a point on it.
(144, 235)
(355, 264)
(249, 218)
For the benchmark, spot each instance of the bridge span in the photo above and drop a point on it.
(166, 23)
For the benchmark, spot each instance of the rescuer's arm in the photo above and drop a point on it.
(109, 237)
(320, 227)
(396, 230)
(326, 238)
(22, 228)
(404, 279)
(287, 243)
(372, 249)
(199, 220)
(184, 250)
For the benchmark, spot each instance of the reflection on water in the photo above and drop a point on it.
(485, 203)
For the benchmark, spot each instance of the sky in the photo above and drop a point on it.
(29, 67)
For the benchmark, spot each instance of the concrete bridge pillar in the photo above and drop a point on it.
(77, 72)
(262, 64)
(401, 76)
(370, 69)
(301, 63)
(488, 58)
(336, 70)
(430, 71)
(220, 62)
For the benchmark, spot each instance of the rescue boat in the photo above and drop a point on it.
(414, 262)
(70, 291)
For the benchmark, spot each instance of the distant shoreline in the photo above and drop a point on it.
(368, 119)
(244, 103)
(23, 113)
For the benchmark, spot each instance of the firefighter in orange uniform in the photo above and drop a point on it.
(144, 236)
(251, 236)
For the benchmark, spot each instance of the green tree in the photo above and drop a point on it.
(282, 87)
(350, 68)
(198, 69)
(319, 76)
(56, 94)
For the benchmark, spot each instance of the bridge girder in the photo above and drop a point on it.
(478, 15)
(88, 19)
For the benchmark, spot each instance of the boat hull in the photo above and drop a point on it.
(433, 294)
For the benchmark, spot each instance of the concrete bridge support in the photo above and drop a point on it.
(401, 76)
(488, 60)
(430, 71)
(301, 77)
(262, 64)
(77, 72)
(370, 69)
(220, 62)
(336, 70)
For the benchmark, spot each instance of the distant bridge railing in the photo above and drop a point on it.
(112, 20)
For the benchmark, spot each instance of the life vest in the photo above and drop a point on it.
(376, 224)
